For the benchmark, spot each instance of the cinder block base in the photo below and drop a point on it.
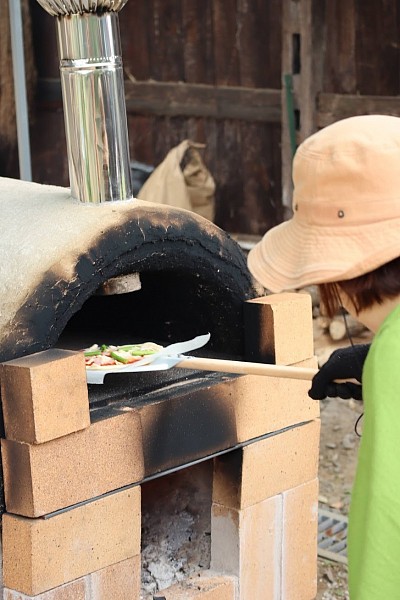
(267, 467)
(70, 591)
(204, 586)
(265, 515)
(120, 581)
(44, 396)
(77, 467)
(278, 328)
(41, 554)
(265, 492)
(271, 547)
(247, 543)
(299, 543)
(268, 404)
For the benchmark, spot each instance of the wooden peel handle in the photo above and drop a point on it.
(246, 368)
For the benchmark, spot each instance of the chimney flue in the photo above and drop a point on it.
(94, 99)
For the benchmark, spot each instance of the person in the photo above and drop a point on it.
(344, 236)
(343, 364)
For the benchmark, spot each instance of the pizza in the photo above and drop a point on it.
(106, 357)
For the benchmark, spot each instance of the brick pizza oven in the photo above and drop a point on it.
(83, 464)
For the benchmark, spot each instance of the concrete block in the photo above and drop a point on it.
(120, 581)
(278, 328)
(299, 544)
(42, 478)
(267, 467)
(41, 554)
(44, 396)
(71, 591)
(248, 544)
(203, 586)
(267, 404)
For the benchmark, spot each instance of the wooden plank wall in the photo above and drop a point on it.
(215, 53)
(343, 59)
(211, 70)
(223, 43)
(362, 59)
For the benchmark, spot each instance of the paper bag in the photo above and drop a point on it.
(182, 180)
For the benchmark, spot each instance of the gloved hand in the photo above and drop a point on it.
(344, 363)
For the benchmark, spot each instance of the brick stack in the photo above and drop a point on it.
(54, 459)
(265, 495)
(72, 488)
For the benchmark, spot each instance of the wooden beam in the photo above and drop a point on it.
(175, 99)
(199, 100)
(333, 107)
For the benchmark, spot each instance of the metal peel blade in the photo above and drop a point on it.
(175, 349)
(166, 358)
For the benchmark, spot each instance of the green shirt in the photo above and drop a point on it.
(374, 520)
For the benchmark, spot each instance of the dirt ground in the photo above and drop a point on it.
(337, 464)
(338, 456)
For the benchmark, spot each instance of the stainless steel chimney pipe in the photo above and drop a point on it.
(93, 97)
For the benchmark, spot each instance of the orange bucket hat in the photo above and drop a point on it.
(346, 207)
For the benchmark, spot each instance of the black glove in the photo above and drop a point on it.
(344, 363)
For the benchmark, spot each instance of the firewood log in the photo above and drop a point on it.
(338, 330)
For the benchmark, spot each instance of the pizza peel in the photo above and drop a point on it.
(245, 368)
(173, 356)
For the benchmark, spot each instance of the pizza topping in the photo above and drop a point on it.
(104, 356)
(103, 360)
(140, 349)
(93, 350)
(125, 357)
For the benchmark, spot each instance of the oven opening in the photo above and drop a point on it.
(176, 527)
(170, 306)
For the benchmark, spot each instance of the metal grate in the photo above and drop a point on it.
(332, 536)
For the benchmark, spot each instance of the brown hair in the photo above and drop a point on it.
(363, 291)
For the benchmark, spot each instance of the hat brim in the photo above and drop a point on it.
(293, 255)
